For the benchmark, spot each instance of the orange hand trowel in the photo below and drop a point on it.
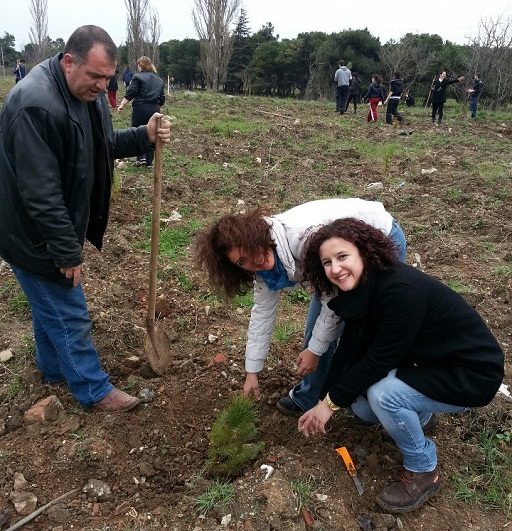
(351, 469)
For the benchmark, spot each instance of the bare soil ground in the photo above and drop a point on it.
(457, 222)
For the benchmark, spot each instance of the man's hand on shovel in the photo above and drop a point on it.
(164, 131)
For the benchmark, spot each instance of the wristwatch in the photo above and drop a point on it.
(331, 404)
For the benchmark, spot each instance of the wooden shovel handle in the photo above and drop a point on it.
(155, 229)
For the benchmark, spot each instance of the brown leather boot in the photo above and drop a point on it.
(410, 492)
(117, 400)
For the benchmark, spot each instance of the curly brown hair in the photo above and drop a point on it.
(377, 250)
(248, 231)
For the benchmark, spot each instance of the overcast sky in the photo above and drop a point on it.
(452, 20)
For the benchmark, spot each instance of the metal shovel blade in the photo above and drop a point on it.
(157, 350)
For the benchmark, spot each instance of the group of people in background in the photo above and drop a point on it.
(348, 86)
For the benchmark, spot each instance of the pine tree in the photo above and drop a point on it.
(242, 54)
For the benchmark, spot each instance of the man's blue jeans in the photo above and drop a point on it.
(403, 411)
(62, 334)
(473, 104)
(307, 392)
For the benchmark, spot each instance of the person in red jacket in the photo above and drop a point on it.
(411, 347)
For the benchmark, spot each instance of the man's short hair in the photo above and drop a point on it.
(84, 38)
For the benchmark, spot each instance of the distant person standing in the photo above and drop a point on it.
(354, 94)
(19, 70)
(438, 90)
(342, 80)
(127, 77)
(396, 87)
(409, 99)
(474, 94)
(112, 88)
(146, 92)
(374, 96)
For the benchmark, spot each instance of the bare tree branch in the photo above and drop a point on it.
(154, 31)
(39, 29)
(136, 28)
(212, 20)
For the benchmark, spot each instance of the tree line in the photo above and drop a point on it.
(260, 63)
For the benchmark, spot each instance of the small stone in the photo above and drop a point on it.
(48, 410)
(6, 355)
(20, 483)
(146, 396)
(24, 502)
(97, 489)
(226, 520)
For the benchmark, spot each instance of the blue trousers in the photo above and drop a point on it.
(473, 104)
(403, 411)
(62, 335)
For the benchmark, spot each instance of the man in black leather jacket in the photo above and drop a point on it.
(57, 149)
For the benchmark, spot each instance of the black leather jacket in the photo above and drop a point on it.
(146, 87)
(51, 197)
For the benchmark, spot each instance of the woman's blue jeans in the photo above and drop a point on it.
(307, 392)
(403, 411)
(62, 335)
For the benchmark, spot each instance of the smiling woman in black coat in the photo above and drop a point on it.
(411, 347)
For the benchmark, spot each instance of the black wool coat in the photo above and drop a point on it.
(402, 318)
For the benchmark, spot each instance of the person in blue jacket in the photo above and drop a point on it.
(127, 76)
(19, 70)
(411, 347)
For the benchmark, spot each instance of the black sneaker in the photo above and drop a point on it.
(428, 429)
(288, 407)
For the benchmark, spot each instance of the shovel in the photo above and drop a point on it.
(157, 342)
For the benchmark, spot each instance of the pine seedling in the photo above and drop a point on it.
(231, 439)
